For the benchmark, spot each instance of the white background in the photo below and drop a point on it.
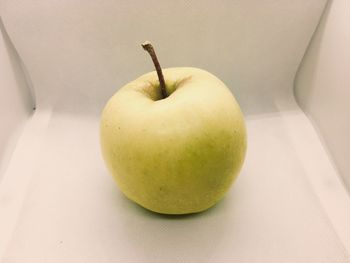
(86, 50)
(323, 83)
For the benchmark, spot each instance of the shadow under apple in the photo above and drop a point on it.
(175, 238)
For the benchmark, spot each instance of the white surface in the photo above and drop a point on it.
(16, 102)
(71, 212)
(322, 85)
(57, 201)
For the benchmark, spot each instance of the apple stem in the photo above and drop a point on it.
(149, 48)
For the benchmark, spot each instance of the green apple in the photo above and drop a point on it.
(177, 154)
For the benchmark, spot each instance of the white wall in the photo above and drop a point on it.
(84, 51)
(322, 86)
(16, 101)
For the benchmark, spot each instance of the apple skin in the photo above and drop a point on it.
(176, 155)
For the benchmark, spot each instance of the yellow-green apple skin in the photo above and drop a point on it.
(176, 155)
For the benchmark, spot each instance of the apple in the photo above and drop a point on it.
(174, 139)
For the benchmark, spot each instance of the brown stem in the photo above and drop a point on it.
(149, 48)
